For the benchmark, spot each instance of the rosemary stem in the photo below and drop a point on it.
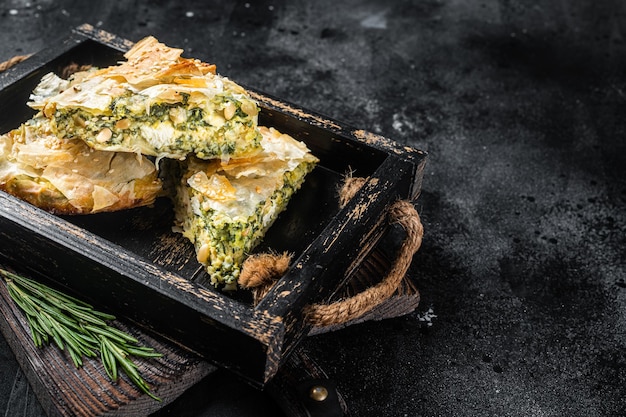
(76, 327)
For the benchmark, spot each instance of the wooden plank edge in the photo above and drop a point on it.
(65, 391)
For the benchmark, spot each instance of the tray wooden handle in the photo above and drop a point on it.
(348, 309)
(261, 270)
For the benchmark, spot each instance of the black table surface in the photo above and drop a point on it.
(520, 106)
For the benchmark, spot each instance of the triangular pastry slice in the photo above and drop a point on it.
(225, 207)
(68, 177)
(155, 103)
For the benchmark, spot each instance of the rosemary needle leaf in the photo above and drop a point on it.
(129, 366)
(103, 316)
(146, 390)
(57, 315)
(44, 325)
(18, 297)
(57, 339)
(87, 339)
(37, 329)
(76, 358)
(123, 336)
(82, 315)
(75, 326)
(75, 343)
(34, 331)
(56, 334)
(47, 292)
(105, 332)
(108, 360)
(143, 353)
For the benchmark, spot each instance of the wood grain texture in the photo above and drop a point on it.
(49, 380)
(65, 391)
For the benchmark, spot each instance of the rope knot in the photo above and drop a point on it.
(343, 311)
(263, 269)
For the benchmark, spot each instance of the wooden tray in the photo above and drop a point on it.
(64, 391)
(132, 264)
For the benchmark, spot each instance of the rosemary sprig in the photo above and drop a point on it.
(74, 326)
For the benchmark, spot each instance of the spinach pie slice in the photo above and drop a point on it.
(225, 207)
(67, 177)
(155, 103)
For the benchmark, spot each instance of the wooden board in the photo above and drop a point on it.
(65, 391)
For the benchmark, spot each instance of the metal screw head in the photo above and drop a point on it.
(318, 393)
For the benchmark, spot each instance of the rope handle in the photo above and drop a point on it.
(260, 272)
(348, 309)
(12, 62)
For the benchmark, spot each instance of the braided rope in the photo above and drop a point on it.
(260, 272)
(342, 311)
(12, 61)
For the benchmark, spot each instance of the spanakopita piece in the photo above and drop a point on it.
(226, 207)
(156, 103)
(67, 177)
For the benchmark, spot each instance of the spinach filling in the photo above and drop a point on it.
(170, 128)
(232, 240)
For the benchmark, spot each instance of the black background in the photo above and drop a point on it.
(520, 106)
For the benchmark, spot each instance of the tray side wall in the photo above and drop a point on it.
(226, 334)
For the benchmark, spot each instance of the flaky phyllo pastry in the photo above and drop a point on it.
(68, 177)
(225, 207)
(98, 140)
(156, 103)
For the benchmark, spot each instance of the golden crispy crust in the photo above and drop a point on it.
(45, 198)
(67, 177)
(155, 103)
(150, 62)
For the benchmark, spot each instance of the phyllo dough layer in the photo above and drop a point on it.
(155, 103)
(226, 207)
(68, 177)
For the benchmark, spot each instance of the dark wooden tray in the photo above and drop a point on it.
(64, 391)
(132, 263)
